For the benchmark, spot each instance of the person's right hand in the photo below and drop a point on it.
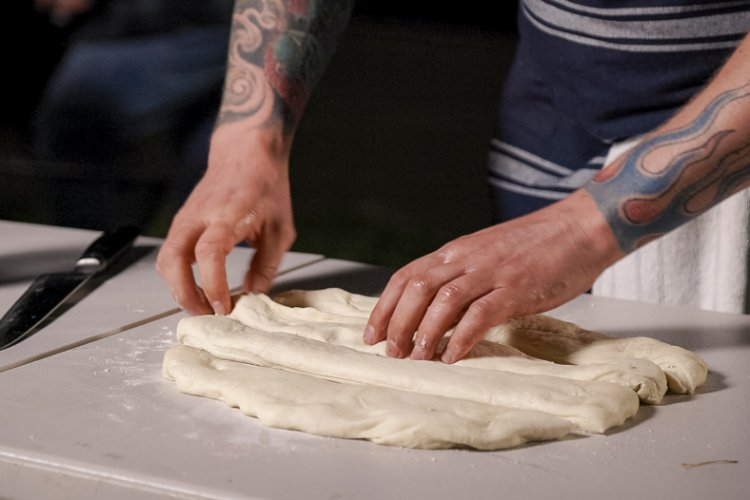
(244, 195)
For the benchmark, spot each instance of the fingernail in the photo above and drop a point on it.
(177, 300)
(391, 348)
(218, 308)
(369, 335)
(418, 353)
(449, 356)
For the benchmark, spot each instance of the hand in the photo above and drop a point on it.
(525, 266)
(244, 195)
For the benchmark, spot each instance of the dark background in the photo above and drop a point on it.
(389, 160)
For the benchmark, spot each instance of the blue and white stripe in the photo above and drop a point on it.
(694, 27)
(519, 171)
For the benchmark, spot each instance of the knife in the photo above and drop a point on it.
(50, 291)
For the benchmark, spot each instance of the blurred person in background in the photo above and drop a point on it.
(130, 108)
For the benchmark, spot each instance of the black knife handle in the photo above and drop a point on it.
(106, 249)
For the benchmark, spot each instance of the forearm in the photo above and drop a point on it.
(695, 160)
(277, 51)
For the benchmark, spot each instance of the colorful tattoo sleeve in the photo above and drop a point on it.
(671, 177)
(277, 51)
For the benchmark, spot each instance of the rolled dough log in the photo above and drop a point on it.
(591, 405)
(385, 416)
(338, 317)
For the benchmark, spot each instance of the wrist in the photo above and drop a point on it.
(590, 229)
(272, 143)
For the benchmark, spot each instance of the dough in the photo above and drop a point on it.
(591, 405)
(385, 416)
(330, 300)
(338, 317)
(299, 363)
(544, 337)
(563, 342)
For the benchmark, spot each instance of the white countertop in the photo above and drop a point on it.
(134, 296)
(99, 421)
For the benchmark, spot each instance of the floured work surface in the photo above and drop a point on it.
(298, 362)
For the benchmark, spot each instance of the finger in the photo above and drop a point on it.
(174, 265)
(377, 325)
(447, 307)
(483, 313)
(416, 297)
(211, 252)
(265, 262)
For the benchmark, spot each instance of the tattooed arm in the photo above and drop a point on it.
(277, 51)
(539, 261)
(697, 159)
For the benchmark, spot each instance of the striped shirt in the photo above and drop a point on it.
(589, 73)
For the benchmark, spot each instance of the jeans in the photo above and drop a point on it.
(130, 120)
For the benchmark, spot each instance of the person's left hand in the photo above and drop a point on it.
(525, 266)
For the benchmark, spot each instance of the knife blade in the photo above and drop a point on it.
(50, 291)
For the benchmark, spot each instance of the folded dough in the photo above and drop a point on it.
(540, 336)
(298, 362)
(563, 342)
(330, 300)
(385, 416)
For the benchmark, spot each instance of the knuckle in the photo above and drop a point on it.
(169, 249)
(444, 255)
(482, 308)
(451, 294)
(448, 253)
(209, 251)
(214, 245)
(267, 271)
(421, 285)
(399, 279)
(166, 256)
(278, 226)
